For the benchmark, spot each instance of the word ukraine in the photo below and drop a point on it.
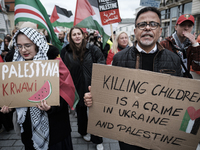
(30, 69)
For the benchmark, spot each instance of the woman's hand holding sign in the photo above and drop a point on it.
(5, 109)
(43, 105)
(88, 98)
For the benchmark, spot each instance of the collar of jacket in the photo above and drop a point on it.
(159, 47)
(171, 40)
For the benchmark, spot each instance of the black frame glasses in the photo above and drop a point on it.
(153, 25)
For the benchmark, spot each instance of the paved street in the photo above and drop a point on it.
(10, 141)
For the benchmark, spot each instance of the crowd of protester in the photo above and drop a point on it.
(178, 52)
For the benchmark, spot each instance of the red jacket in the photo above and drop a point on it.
(110, 57)
(1, 60)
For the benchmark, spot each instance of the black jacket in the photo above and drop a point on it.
(164, 61)
(81, 72)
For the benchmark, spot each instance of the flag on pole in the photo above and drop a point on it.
(34, 11)
(56, 29)
(70, 95)
(91, 18)
(62, 17)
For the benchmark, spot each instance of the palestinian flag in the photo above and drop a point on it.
(191, 121)
(91, 18)
(62, 17)
(56, 29)
(34, 11)
(67, 88)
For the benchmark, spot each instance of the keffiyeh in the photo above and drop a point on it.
(182, 48)
(37, 39)
(39, 118)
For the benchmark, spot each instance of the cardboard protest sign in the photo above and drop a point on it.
(143, 108)
(25, 83)
(109, 11)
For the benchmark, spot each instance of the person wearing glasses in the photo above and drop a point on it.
(146, 54)
(182, 42)
(43, 127)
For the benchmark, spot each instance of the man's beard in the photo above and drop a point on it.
(146, 42)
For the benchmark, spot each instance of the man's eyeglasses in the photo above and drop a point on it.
(153, 25)
(26, 46)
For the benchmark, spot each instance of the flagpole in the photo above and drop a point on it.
(3, 11)
(111, 28)
(5, 22)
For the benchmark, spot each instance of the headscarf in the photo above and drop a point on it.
(39, 118)
(182, 48)
(37, 39)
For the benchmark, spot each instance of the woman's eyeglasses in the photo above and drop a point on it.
(25, 46)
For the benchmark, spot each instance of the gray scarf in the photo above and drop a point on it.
(181, 46)
(39, 118)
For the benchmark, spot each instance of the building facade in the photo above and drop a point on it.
(127, 25)
(4, 20)
(172, 9)
(10, 4)
(196, 14)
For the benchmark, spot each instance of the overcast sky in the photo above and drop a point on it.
(126, 7)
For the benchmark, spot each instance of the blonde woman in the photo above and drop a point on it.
(121, 42)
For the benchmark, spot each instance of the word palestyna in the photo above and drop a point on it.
(30, 69)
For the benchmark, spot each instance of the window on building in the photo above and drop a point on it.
(163, 14)
(180, 9)
(187, 8)
(167, 15)
(173, 26)
(166, 23)
(162, 24)
(164, 33)
(173, 12)
(2, 30)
